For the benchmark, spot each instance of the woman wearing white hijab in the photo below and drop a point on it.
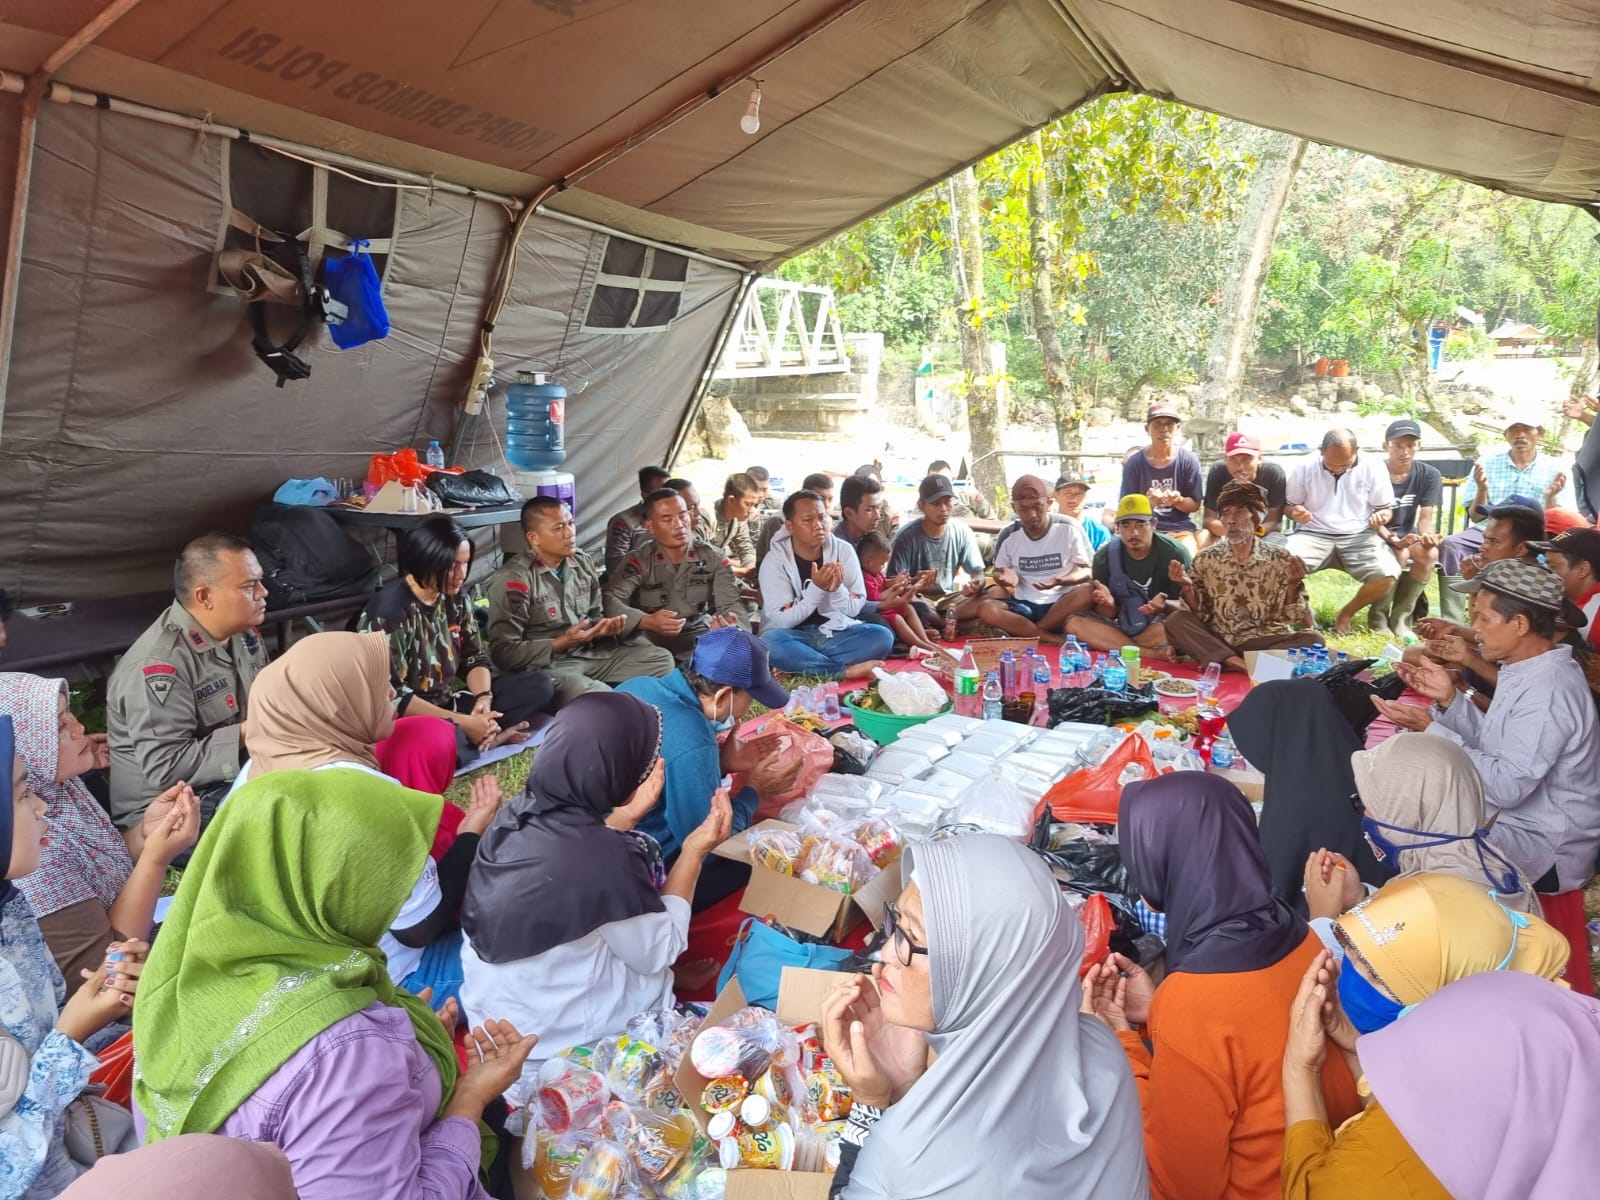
(1028, 1097)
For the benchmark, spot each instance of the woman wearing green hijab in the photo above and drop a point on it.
(266, 1011)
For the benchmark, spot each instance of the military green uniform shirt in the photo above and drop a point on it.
(173, 708)
(702, 586)
(734, 539)
(530, 605)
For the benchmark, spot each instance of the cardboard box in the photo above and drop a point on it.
(800, 995)
(1252, 782)
(809, 907)
(1266, 665)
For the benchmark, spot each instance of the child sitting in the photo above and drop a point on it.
(873, 551)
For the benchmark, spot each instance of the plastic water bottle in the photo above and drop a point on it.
(1344, 657)
(1222, 753)
(1069, 662)
(993, 697)
(968, 703)
(1114, 678)
(830, 702)
(536, 414)
(1041, 675)
(1130, 663)
(434, 455)
(1008, 674)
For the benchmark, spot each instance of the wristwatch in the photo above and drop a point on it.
(1469, 694)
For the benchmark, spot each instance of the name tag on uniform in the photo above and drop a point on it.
(207, 690)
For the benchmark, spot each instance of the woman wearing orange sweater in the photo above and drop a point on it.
(1210, 1062)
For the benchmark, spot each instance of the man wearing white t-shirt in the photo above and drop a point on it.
(1039, 567)
(1339, 498)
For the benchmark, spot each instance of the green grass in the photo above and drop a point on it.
(1329, 592)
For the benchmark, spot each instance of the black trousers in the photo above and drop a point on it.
(518, 696)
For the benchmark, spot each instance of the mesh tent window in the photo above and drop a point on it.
(638, 288)
(265, 194)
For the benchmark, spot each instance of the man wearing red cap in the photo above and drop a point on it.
(1241, 461)
(1168, 475)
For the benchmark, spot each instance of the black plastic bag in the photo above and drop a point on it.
(1096, 706)
(1353, 695)
(470, 489)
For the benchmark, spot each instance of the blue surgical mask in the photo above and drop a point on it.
(1369, 1009)
(726, 724)
(1502, 876)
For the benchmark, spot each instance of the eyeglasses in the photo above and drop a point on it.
(904, 948)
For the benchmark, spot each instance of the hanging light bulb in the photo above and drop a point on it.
(751, 121)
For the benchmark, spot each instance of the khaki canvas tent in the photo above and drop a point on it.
(149, 135)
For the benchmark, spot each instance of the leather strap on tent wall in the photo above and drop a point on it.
(281, 357)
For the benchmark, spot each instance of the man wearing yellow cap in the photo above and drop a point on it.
(1133, 585)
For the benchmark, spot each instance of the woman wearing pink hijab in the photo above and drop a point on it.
(1491, 1081)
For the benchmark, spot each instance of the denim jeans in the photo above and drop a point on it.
(813, 651)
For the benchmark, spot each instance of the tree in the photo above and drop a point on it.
(986, 418)
(1245, 281)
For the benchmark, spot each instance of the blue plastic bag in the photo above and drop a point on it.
(761, 954)
(353, 281)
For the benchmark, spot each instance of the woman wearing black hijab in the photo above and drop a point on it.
(1210, 1062)
(1293, 733)
(569, 929)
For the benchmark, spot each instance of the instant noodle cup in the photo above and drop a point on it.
(770, 1149)
(656, 1142)
(724, 1094)
(570, 1098)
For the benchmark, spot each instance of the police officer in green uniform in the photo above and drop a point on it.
(545, 613)
(674, 586)
(176, 703)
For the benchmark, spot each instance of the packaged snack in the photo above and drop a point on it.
(746, 1044)
(722, 1125)
(766, 1149)
(656, 1142)
(776, 1086)
(843, 867)
(758, 1112)
(557, 1157)
(634, 1068)
(603, 1174)
(828, 1096)
(570, 1098)
(877, 837)
(724, 1094)
(779, 850)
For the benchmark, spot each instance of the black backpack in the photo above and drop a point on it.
(306, 556)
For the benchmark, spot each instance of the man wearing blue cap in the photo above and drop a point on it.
(699, 703)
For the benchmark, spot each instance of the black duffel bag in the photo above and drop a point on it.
(470, 489)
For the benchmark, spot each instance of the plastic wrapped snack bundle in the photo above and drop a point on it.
(657, 1143)
(746, 1044)
(780, 850)
(636, 1069)
(877, 837)
(554, 1159)
(843, 867)
(604, 1174)
(570, 1098)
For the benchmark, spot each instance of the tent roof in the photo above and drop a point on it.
(869, 101)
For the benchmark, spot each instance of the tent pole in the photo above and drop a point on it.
(555, 214)
(746, 282)
(32, 96)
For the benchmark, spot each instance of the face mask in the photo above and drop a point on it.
(724, 725)
(1503, 880)
(1369, 1009)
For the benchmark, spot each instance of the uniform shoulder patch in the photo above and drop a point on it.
(516, 585)
(159, 680)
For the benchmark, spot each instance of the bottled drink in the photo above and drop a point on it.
(1069, 662)
(1008, 674)
(993, 697)
(1222, 753)
(1041, 675)
(1114, 678)
(435, 455)
(535, 423)
(967, 701)
(1130, 663)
